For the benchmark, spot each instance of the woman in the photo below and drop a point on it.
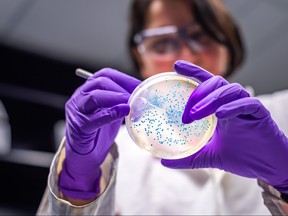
(163, 31)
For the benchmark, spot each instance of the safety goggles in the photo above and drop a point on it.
(167, 41)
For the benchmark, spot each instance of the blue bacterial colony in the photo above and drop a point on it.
(156, 120)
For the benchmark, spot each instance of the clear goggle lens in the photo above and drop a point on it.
(167, 41)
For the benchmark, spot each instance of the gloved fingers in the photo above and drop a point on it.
(98, 99)
(91, 122)
(201, 92)
(188, 69)
(129, 83)
(216, 99)
(201, 159)
(101, 83)
(109, 115)
(244, 106)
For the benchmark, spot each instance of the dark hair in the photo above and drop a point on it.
(214, 18)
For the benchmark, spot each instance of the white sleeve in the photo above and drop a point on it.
(273, 200)
(5, 131)
(52, 204)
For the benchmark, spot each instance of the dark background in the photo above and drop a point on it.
(34, 93)
(43, 42)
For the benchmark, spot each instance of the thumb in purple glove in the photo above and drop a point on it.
(246, 142)
(94, 115)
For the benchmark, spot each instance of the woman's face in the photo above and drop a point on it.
(178, 13)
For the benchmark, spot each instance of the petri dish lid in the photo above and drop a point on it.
(155, 119)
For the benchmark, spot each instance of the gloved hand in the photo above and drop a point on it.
(94, 115)
(246, 142)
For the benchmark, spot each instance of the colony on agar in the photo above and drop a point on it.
(155, 119)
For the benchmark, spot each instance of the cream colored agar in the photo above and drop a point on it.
(155, 120)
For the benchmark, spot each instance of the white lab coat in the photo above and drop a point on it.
(144, 186)
(5, 131)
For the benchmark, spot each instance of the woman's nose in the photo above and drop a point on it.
(186, 53)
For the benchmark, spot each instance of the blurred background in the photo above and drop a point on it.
(43, 42)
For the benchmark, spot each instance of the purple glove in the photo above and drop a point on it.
(246, 142)
(94, 115)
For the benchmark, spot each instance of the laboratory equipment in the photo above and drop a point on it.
(155, 119)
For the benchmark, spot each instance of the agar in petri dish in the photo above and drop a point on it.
(155, 119)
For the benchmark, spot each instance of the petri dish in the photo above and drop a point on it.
(155, 119)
